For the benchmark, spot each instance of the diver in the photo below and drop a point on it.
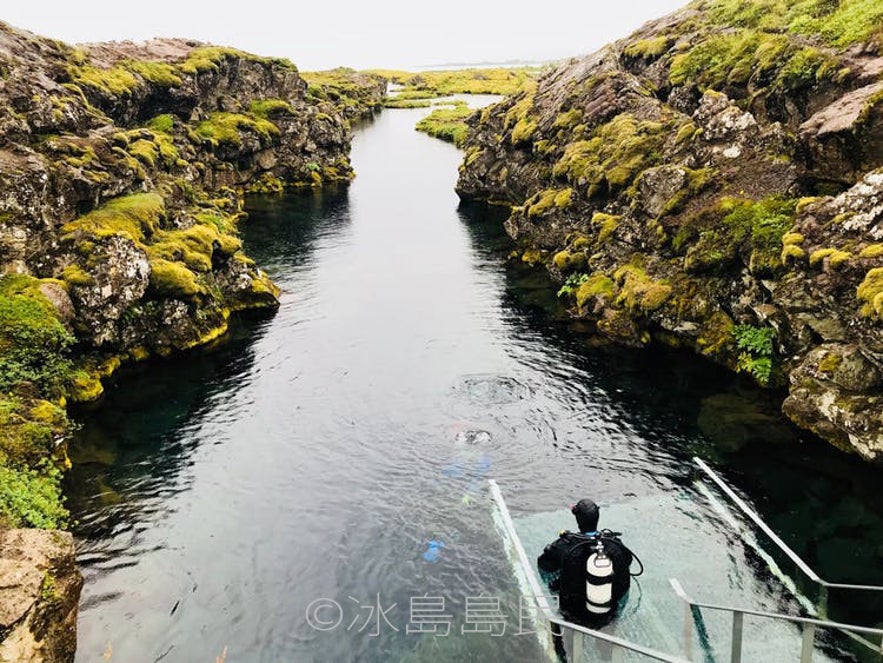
(589, 569)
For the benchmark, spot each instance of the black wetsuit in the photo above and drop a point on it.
(563, 564)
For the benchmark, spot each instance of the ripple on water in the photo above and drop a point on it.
(489, 389)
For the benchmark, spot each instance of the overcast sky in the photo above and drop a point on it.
(321, 34)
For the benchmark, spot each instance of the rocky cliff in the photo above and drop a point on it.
(38, 604)
(714, 181)
(122, 170)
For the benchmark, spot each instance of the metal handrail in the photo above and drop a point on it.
(809, 625)
(682, 594)
(798, 561)
(543, 604)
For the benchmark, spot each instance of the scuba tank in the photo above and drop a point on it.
(599, 581)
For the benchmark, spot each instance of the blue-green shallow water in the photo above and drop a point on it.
(317, 452)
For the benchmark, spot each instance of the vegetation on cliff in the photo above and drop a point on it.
(125, 174)
(448, 124)
(431, 84)
(722, 171)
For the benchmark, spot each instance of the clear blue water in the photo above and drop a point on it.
(317, 452)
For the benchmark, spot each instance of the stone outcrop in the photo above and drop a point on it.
(39, 593)
(714, 182)
(122, 171)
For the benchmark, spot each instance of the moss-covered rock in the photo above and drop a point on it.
(723, 165)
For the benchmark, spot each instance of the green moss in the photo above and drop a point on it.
(606, 225)
(541, 203)
(266, 183)
(520, 110)
(792, 239)
(502, 81)
(648, 49)
(871, 293)
(566, 261)
(116, 81)
(597, 285)
(226, 128)
(532, 256)
(208, 58)
(759, 226)
(686, 132)
(830, 362)
(872, 251)
(264, 108)
(136, 216)
(74, 275)
(145, 151)
(448, 124)
(28, 429)
(193, 246)
(715, 335)
(523, 131)
(638, 293)
(852, 22)
(158, 73)
(564, 198)
(735, 58)
(792, 253)
(568, 120)
(162, 123)
(33, 342)
(617, 153)
(407, 103)
(173, 280)
(834, 257)
(85, 387)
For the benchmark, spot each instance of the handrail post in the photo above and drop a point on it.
(809, 636)
(823, 601)
(579, 647)
(688, 631)
(736, 646)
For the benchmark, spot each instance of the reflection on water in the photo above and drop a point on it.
(339, 450)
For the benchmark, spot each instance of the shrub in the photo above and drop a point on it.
(32, 497)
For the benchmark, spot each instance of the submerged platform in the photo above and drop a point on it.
(681, 536)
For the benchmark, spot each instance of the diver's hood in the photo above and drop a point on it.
(587, 513)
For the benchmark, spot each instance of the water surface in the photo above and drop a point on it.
(318, 452)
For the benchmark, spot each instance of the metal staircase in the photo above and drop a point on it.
(653, 620)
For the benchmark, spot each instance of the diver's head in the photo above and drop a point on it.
(586, 512)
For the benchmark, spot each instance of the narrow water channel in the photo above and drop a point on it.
(320, 452)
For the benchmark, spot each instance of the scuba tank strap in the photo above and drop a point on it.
(616, 535)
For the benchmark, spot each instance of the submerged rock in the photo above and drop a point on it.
(714, 181)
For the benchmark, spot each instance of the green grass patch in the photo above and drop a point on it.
(447, 124)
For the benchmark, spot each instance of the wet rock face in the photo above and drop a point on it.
(39, 597)
(684, 192)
